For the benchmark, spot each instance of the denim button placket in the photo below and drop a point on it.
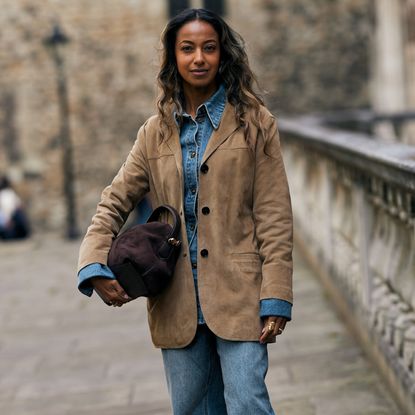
(192, 135)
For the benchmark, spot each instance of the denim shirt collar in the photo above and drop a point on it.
(214, 107)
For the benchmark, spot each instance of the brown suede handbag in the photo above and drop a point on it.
(143, 257)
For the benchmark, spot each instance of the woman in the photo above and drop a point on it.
(213, 153)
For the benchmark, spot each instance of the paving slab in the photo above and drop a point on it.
(62, 353)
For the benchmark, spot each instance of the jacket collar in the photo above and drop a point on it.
(214, 107)
(227, 125)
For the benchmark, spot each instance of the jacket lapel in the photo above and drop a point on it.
(227, 126)
(173, 142)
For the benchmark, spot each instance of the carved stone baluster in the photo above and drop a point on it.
(402, 324)
(386, 303)
(404, 277)
(409, 348)
(397, 308)
(365, 224)
(379, 293)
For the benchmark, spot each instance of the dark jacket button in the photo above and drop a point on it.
(204, 168)
(204, 253)
(205, 210)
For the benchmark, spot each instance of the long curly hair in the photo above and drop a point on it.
(234, 72)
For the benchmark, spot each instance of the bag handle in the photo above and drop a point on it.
(173, 237)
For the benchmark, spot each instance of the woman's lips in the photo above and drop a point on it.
(199, 72)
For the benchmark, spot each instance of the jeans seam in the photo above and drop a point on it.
(207, 386)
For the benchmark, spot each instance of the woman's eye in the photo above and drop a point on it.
(186, 48)
(210, 48)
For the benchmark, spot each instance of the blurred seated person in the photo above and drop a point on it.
(13, 220)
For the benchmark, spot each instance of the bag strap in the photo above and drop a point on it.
(176, 219)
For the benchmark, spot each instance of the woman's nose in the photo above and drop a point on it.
(198, 59)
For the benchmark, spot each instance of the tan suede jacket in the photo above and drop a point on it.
(246, 238)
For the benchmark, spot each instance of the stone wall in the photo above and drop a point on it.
(111, 64)
(308, 56)
(319, 52)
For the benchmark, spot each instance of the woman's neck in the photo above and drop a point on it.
(194, 97)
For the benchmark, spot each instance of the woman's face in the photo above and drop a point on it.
(198, 55)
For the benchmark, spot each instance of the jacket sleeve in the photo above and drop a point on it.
(117, 200)
(273, 215)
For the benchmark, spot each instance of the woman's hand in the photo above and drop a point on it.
(110, 291)
(273, 326)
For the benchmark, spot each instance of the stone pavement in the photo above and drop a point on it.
(64, 354)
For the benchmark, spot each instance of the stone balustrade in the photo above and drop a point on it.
(398, 126)
(354, 207)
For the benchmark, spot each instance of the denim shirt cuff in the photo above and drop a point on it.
(90, 271)
(275, 307)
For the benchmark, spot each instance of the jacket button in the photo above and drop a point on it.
(204, 168)
(204, 253)
(205, 210)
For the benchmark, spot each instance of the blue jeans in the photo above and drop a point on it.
(213, 376)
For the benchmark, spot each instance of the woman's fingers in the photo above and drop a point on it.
(273, 326)
(110, 291)
(118, 296)
(282, 324)
(279, 326)
(124, 297)
(268, 330)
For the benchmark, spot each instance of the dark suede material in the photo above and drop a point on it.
(143, 259)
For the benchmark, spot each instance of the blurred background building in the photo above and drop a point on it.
(339, 75)
(309, 56)
(393, 68)
(314, 56)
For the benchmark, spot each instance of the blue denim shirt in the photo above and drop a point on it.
(194, 136)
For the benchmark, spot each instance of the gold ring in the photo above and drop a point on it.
(271, 325)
